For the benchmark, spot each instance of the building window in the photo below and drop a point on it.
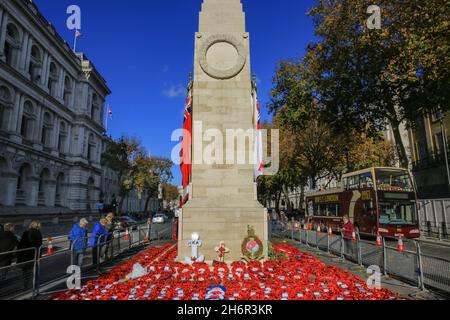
(62, 140)
(91, 148)
(53, 79)
(95, 107)
(67, 91)
(34, 69)
(22, 184)
(12, 45)
(28, 120)
(47, 129)
(5, 106)
(60, 190)
(43, 181)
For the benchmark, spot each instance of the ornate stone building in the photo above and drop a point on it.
(51, 118)
(428, 156)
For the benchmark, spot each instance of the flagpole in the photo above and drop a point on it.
(75, 42)
(106, 126)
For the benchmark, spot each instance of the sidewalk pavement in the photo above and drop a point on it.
(435, 241)
(404, 290)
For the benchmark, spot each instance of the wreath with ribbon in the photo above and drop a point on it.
(252, 247)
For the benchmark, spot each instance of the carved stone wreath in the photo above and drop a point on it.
(222, 74)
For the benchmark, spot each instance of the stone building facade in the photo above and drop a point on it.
(51, 118)
(428, 156)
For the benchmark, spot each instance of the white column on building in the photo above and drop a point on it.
(16, 118)
(33, 192)
(72, 98)
(50, 192)
(62, 75)
(86, 99)
(81, 137)
(45, 70)
(26, 47)
(69, 138)
(10, 183)
(3, 27)
(38, 124)
(56, 128)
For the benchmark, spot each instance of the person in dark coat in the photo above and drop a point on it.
(31, 239)
(8, 243)
(78, 238)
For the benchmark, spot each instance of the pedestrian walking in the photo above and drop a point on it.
(31, 239)
(78, 238)
(8, 243)
(98, 239)
(347, 230)
(110, 228)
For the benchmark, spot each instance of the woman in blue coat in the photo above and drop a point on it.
(78, 237)
(99, 234)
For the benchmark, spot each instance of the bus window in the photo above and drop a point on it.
(398, 214)
(346, 184)
(394, 180)
(366, 180)
(353, 183)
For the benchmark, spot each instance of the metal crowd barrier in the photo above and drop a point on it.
(37, 276)
(17, 277)
(410, 265)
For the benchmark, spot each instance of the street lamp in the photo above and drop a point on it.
(440, 116)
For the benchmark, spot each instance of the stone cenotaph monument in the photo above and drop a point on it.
(223, 207)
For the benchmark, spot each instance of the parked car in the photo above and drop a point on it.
(160, 218)
(124, 222)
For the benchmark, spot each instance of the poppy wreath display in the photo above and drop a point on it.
(296, 276)
(185, 273)
(201, 271)
(221, 271)
(239, 270)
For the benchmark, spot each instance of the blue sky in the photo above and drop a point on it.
(145, 51)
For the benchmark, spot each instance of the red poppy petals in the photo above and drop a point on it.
(297, 276)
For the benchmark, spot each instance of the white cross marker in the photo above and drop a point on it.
(195, 243)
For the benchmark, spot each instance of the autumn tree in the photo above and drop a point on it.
(149, 173)
(170, 193)
(121, 156)
(367, 79)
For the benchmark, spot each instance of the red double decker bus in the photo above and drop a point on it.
(377, 200)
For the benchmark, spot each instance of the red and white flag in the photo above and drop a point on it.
(186, 148)
(110, 113)
(258, 150)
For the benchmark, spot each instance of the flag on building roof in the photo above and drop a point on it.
(110, 113)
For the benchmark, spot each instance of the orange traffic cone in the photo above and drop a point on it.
(354, 237)
(400, 246)
(50, 250)
(379, 240)
(127, 234)
(319, 231)
(330, 231)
